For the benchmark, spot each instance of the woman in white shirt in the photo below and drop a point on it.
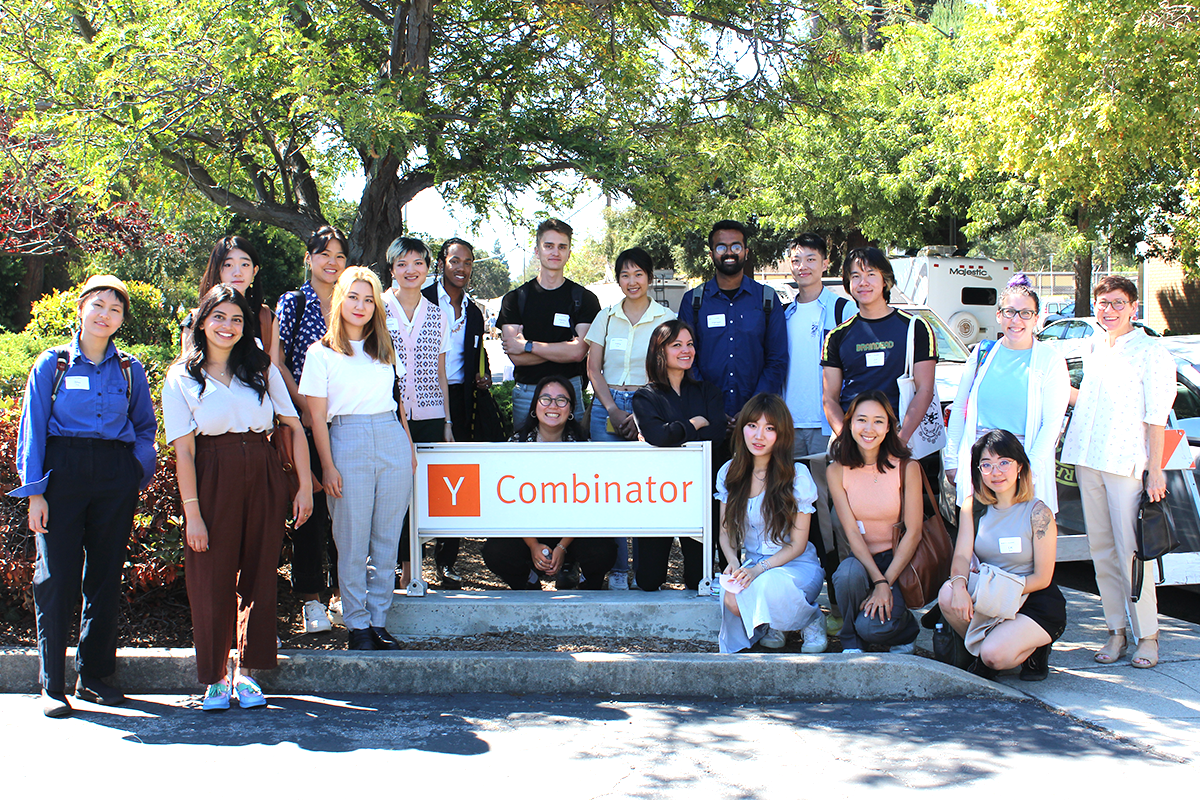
(617, 343)
(220, 402)
(367, 456)
(421, 336)
(1015, 384)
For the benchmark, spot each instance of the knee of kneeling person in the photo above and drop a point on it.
(996, 656)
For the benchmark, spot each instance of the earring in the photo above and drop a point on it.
(571, 415)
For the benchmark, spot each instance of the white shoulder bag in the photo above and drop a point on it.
(930, 435)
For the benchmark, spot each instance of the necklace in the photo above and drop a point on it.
(762, 476)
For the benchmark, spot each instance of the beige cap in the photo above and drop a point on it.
(106, 282)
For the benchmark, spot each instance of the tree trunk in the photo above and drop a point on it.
(30, 290)
(380, 212)
(1083, 266)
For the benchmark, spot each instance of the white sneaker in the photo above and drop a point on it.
(316, 618)
(851, 650)
(335, 610)
(815, 638)
(902, 649)
(773, 639)
(618, 581)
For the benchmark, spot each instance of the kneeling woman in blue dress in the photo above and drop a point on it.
(1001, 597)
(774, 577)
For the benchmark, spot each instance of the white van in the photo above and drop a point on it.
(963, 291)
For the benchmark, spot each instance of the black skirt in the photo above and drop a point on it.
(1047, 608)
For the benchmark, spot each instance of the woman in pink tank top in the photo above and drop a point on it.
(864, 483)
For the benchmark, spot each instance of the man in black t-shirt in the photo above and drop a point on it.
(544, 321)
(868, 351)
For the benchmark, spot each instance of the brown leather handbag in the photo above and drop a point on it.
(929, 568)
(281, 438)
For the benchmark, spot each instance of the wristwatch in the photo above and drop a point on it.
(529, 347)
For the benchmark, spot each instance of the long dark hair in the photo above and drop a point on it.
(845, 450)
(779, 505)
(530, 423)
(247, 362)
(656, 352)
(212, 277)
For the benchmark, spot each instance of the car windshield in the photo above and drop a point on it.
(949, 347)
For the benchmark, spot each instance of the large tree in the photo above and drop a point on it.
(261, 105)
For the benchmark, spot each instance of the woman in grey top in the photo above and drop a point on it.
(1016, 533)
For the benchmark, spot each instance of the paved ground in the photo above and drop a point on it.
(571, 747)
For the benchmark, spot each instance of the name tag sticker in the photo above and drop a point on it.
(562, 320)
(1010, 544)
(618, 344)
(716, 320)
(476, 342)
(393, 324)
(874, 359)
(77, 382)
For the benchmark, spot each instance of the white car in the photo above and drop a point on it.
(1070, 337)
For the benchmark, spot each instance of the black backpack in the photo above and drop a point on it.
(62, 360)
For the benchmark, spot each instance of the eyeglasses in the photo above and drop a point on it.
(545, 401)
(1115, 305)
(1025, 313)
(734, 248)
(1003, 465)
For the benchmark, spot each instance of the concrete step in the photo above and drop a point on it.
(669, 614)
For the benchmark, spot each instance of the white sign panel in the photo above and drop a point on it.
(562, 489)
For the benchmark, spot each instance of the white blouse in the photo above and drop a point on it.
(220, 409)
(356, 384)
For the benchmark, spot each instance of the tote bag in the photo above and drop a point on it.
(930, 435)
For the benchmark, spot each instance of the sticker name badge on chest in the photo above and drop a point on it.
(393, 324)
(716, 320)
(1010, 544)
(875, 359)
(562, 320)
(79, 382)
(616, 343)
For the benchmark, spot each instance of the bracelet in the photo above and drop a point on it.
(765, 564)
(190, 500)
(558, 546)
(876, 583)
(953, 578)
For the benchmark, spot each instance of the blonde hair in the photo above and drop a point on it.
(377, 342)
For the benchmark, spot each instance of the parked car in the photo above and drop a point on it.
(1181, 567)
(1070, 336)
(1056, 310)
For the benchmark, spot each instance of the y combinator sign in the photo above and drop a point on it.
(563, 489)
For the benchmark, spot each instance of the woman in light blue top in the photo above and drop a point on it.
(1016, 384)
(774, 577)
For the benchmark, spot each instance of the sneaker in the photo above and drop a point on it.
(856, 650)
(618, 581)
(568, 578)
(773, 639)
(448, 578)
(902, 649)
(216, 697)
(249, 695)
(335, 609)
(815, 638)
(316, 618)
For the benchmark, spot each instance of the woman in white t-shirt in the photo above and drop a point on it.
(367, 456)
(421, 336)
(220, 402)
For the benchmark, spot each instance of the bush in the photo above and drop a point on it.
(502, 393)
(150, 322)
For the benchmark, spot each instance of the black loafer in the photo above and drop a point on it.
(448, 578)
(361, 639)
(55, 705)
(1037, 666)
(94, 690)
(383, 640)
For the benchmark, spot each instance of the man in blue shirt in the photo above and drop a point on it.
(741, 338)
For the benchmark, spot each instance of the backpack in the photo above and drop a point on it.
(62, 360)
(576, 304)
(839, 308)
(768, 300)
(289, 342)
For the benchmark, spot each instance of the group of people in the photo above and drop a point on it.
(311, 414)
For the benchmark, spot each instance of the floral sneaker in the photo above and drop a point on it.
(249, 694)
(216, 697)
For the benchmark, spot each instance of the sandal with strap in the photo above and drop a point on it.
(1111, 652)
(1146, 654)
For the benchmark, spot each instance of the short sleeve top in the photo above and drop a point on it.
(548, 315)
(212, 408)
(296, 337)
(356, 384)
(803, 489)
(871, 353)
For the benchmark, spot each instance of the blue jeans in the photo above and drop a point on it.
(599, 433)
(522, 398)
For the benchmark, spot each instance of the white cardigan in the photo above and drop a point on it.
(1049, 392)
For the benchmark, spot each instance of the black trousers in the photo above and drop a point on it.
(511, 561)
(92, 494)
(655, 551)
(445, 551)
(313, 540)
